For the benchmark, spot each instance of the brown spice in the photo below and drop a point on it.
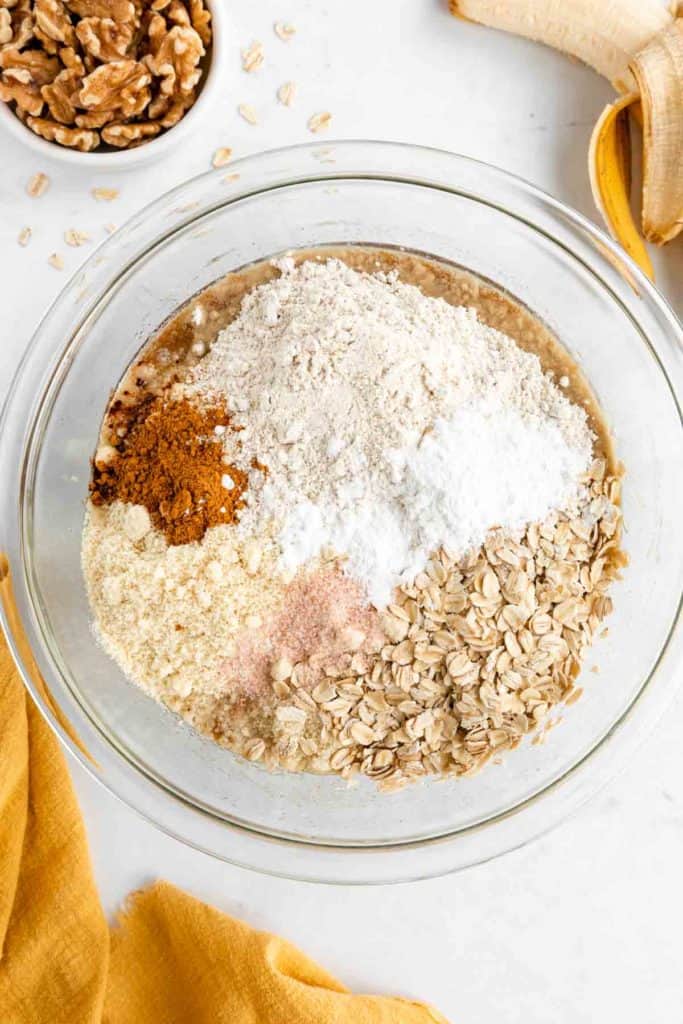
(171, 461)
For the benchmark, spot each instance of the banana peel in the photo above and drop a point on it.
(638, 46)
(609, 164)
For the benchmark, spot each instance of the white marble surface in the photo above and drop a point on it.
(584, 925)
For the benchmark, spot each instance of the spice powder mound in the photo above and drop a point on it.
(171, 461)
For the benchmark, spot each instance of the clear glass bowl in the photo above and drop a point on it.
(601, 307)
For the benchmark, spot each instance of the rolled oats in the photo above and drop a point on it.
(253, 57)
(76, 238)
(319, 122)
(106, 195)
(221, 157)
(246, 111)
(286, 93)
(467, 687)
(38, 185)
(284, 31)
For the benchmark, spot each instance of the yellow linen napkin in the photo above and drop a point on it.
(169, 960)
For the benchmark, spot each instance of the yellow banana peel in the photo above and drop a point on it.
(638, 46)
(609, 165)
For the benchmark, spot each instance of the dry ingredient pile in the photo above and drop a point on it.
(364, 533)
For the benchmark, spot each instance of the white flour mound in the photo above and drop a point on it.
(391, 423)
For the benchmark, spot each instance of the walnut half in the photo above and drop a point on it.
(74, 138)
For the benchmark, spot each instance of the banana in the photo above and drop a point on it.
(638, 46)
(609, 165)
(658, 70)
(602, 33)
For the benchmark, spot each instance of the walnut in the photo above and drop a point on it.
(119, 10)
(156, 33)
(177, 13)
(105, 38)
(6, 32)
(96, 118)
(53, 131)
(168, 110)
(60, 96)
(48, 44)
(119, 85)
(18, 75)
(72, 60)
(53, 22)
(159, 105)
(176, 61)
(22, 27)
(201, 20)
(125, 135)
(26, 97)
(117, 72)
(38, 65)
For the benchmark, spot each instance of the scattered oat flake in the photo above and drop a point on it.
(284, 31)
(110, 228)
(222, 157)
(56, 261)
(286, 93)
(252, 57)
(105, 195)
(24, 236)
(227, 178)
(37, 185)
(319, 122)
(246, 111)
(76, 238)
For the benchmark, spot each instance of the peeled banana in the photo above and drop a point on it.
(638, 46)
(602, 33)
(658, 70)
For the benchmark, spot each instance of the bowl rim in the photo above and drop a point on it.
(339, 867)
(156, 148)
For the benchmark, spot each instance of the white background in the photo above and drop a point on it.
(584, 925)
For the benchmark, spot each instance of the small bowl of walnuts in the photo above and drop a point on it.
(114, 82)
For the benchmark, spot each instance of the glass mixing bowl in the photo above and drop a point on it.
(551, 259)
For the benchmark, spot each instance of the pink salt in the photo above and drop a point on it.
(317, 611)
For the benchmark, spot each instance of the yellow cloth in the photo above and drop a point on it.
(169, 960)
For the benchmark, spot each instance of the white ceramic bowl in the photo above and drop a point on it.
(210, 94)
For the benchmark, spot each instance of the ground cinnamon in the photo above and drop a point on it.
(171, 461)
